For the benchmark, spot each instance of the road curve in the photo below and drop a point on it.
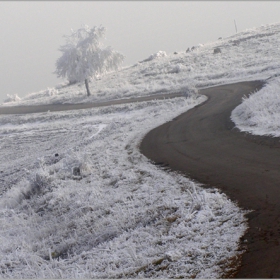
(204, 144)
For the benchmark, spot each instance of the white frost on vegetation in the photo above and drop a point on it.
(259, 113)
(78, 199)
(156, 55)
(84, 55)
(248, 55)
(12, 98)
(88, 204)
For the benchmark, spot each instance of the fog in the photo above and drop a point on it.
(32, 31)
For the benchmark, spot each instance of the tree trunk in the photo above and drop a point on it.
(87, 87)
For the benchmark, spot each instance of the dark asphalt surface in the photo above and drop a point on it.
(204, 145)
(65, 107)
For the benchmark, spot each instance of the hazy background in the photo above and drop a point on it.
(31, 31)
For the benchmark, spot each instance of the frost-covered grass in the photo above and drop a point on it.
(78, 199)
(259, 113)
(90, 205)
(247, 55)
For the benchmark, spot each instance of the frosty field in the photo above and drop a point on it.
(119, 215)
(78, 199)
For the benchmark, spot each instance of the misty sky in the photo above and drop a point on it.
(32, 31)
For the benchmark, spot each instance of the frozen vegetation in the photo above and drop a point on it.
(248, 55)
(259, 113)
(85, 56)
(79, 200)
(84, 202)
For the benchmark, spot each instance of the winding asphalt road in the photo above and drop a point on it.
(204, 144)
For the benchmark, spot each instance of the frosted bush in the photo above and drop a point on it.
(51, 91)
(159, 54)
(33, 184)
(178, 68)
(77, 164)
(12, 98)
(259, 113)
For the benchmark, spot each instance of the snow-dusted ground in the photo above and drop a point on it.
(259, 113)
(86, 203)
(248, 55)
(78, 199)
